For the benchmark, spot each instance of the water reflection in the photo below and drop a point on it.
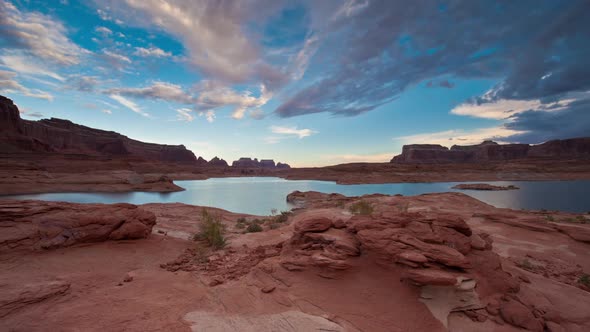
(258, 195)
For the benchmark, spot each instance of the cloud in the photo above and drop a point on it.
(537, 126)
(106, 111)
(460, 137)
(116, 60)
(292, 131)
(151, 52)
(213, 95)
(38, 35)
(9, 84)
(184, 114)
(82, 83)
(158, 90)
(129, 104)
(441, 84)
(36, 115)
(104, 31)
(378, 49)
(217, 35)
(28, 65)
(209, 115)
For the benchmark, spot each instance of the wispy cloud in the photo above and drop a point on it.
(459, 137)
(38, 35)
(129, 104)
(28, 65)
(185, 114)
(8, 83)
(151, 52)
(292, 131)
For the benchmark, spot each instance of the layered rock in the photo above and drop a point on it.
(34, 225)
(245, 162)
(63, 136)
(216, 162)
(575, 148)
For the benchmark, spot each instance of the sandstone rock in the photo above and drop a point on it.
(577, 233)
(33, 225)
(63, 136)
(517, 314)
(268, 289)
(312, 224)
(477, 242)
(431, 277)
(339, 240)
(216, 162)
(15, 298)
(413, 256)
(578, 148)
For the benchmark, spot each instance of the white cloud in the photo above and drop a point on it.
(158, 90)
(27, 65)
(292, 131)
(211, 32)
(107, 111)
(104, 31)
(303, 57)
(116, 57)
(212, 95)
(459, 137)
(129, 104)
(209, 115)
(151, 52)
(37, 34)
(184, 114)
(505, 108)
(9, 84)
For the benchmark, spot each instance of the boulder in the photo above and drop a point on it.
(37, 225)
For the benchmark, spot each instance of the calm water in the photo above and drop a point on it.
(258, 195)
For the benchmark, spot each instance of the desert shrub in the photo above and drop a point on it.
(549, 218)
(254, 228)
(274, 225)
(283, 217)
(242, 220)
(403, 208)
(211, 231)
(584, 280)
(361, 207)
(526, 264)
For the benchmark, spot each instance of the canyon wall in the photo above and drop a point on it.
(575, 148)
(63, 136)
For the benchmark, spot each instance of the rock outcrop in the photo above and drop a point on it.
(63, 136)
(245, 162)
(36, 225)
(575, 148)
(216, 162)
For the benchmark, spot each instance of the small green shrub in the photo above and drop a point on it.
(581, 219)
(361, 207)
(549, 218)
(211, 231)
(254, 228)
(241, 220)
(403, 208)
(584, 280)
(273, 211)
(526, 264)
(274, 225)
(283, 217)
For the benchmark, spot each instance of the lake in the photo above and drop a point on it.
(259, 195)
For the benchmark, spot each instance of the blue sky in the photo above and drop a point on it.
(305, 82)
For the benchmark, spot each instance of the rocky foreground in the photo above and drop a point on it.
(375, 263)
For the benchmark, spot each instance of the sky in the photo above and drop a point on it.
(310, 83)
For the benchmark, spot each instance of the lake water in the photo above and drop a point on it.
(259, 195)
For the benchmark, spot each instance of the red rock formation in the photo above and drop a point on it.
(576, 148)
(245, 162)
(34, 225)
(63, 136)
(216, 162)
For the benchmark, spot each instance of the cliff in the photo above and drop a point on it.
(63, 136)
(575, 148)
(254, 163)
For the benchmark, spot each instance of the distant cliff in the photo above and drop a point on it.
(63, 136)
(254, 163)
(575, 148)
